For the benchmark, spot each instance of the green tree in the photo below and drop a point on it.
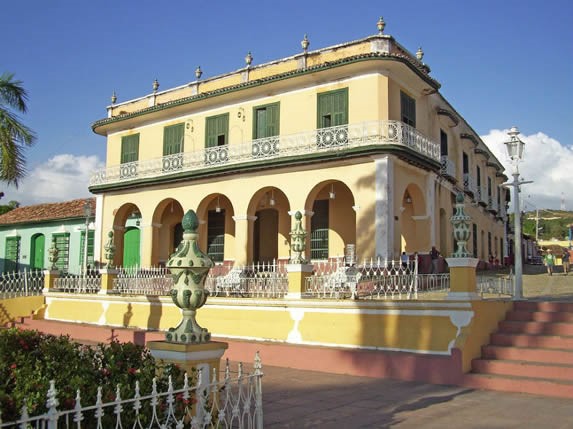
(9, 207)
(14, 135)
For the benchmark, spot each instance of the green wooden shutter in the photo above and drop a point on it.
(266, 121)
(408, 109)
(217, 130)
(129, 148)
(37, 252)
(216, 235)
(173, 139)
(332, 108)
(319, 230)
(90, 248)
(12, 257)
(63, 246)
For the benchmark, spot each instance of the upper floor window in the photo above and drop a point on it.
(443, 143)
(266, 121)
(408, 109)
(217, 130)
(332, 108)
(129, 148)
(478, 176)
(173, 139)
(465, 163)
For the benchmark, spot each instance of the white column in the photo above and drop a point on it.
(384, 208)
(431, 206)
(99, 235)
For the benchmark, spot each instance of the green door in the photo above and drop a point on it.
(131, 248)
(37, 257)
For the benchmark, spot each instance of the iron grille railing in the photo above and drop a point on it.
(21, 283)
(322, 140)
(447, 167)
(153, 281)
(234, 402)
(89, 282)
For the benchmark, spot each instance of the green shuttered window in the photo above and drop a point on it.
(90, 249)
(173, 139)
(63, 246)
(216, 235)
(217, 130)
(408, 109)
(332, 108)
(12, 254)
(129, 148)
(319, 230)
(266, 121)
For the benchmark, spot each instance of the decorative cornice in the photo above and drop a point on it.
(470, 137)
(445, 112)
(414, 66)
(481, 151)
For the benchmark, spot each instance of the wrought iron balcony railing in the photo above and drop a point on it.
(470, 185)
(447, 167)
(324, 140)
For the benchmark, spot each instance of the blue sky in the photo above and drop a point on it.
(501, 63)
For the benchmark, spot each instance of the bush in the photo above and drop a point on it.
(30, 359)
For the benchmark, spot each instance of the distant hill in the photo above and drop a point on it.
(553, 224)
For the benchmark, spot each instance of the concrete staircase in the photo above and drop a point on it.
(532, 352)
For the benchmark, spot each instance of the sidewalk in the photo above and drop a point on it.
(306, 399)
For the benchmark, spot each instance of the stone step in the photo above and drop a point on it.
(550, 306)
(538, 341)
(530, 354)
(523, 369)
(553, 388)
(540, 316)
(536, 328)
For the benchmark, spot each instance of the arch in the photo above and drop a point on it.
(125, 217)
(414, 223)
(269, 238)
(37, 251)
(332, 225)
(216, 227)
(165, 220)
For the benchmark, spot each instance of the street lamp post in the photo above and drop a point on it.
(87, 213)
(515, 151)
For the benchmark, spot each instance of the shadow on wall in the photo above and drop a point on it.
(155, 312)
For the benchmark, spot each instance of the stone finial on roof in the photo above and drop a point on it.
(305, 43)
(381, 25)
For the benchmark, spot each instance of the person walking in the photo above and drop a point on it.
(549, 261)
(565, 261)
(434, 256)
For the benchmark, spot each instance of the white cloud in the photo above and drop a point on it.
(63, 177)
(545, 161)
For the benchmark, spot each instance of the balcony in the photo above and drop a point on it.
(469, 185)
(482, 196)
(316, 142)
(447, 168)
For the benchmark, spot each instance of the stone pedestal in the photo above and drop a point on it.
(463, 283)
(205, 357)
(108, 275)
(297, 275)
(50, 277)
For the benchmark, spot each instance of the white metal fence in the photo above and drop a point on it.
(235, 401)
(372, 279)
(90, 282)
(143, 281)
(495, 285)
(21, 283)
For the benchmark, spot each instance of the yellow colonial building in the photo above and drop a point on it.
(357, 137)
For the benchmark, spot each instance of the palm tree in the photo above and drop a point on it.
(14, 136)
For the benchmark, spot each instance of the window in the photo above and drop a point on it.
(265, 126)
(62, 242)
(319, 230)
(478, 177)
(443, 143)
(12, 254)
(266, 121)
(90, 249)
(332, 108)
(172, 139)
(408, 109)
(217, 131)
(475, 240)
(332, 111)
(465, 163)
(129, 154)
(129, 148)
(216, 235)
(173, 147)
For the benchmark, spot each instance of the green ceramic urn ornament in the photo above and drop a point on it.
(189, 268)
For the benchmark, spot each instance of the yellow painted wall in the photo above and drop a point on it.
(406, 326)
(13, 308)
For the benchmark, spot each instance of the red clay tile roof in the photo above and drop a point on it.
(46, 212)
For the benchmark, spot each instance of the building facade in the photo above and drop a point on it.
(27, 233)
(357, 137)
